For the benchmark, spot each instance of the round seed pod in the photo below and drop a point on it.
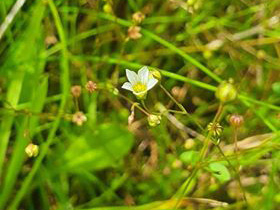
(226, 92)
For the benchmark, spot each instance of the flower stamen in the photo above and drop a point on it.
(139, 87)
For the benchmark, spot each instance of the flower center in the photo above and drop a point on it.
(139, 87)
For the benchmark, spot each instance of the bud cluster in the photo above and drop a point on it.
(32, 150)
(76, 90)
(134, 31)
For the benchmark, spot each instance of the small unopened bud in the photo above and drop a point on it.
(50, 40)
(107, 8)
(134, 32)
(79, 118)
(91, 86)
(177, 164)
(189, 143)
(138, 17)
(156, 74)
(191, 2)
(32, 150)
(261, 54)
(115, 91)
(236, 120)
(76, 91)
(226, 92)
(215, 128)
(154, 120)
(207, 54)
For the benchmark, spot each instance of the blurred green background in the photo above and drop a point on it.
(52, 45)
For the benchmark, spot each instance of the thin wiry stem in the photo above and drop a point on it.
(202, 156)
(136, 105)
(144, 105)
(183, 110)
(236, 148)
(236, 173)
(238, 164)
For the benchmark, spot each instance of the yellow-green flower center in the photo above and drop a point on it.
(139, 87)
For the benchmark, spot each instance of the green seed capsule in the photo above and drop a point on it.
(226, 92)
(107, 8)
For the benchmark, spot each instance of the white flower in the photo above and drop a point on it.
(139, 83)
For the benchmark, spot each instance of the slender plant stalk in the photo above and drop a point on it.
(202, 156)
(134, 104)
(236, 151)
(236, 173)
(144, 105)
(183, 110)
(236, 147)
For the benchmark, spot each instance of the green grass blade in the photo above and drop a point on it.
(65, 91)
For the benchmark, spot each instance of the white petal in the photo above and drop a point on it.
(151, 83)
(132, 76)
(127, 86)
(143, 74)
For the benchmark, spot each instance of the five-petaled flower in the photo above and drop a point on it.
(139, 83)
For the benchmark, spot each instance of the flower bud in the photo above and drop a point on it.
(191, 2)
(107, 8)
(32, 150)
(261, 54)
(79, 118)
(156, 74)
(134, 32)
(177, 164)
(154, 120)
(76, 91)
(138, 17)
(226, 92)
(236, 120)
(50, 40)
(189, 143)
(115, 91)
(207, 54)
